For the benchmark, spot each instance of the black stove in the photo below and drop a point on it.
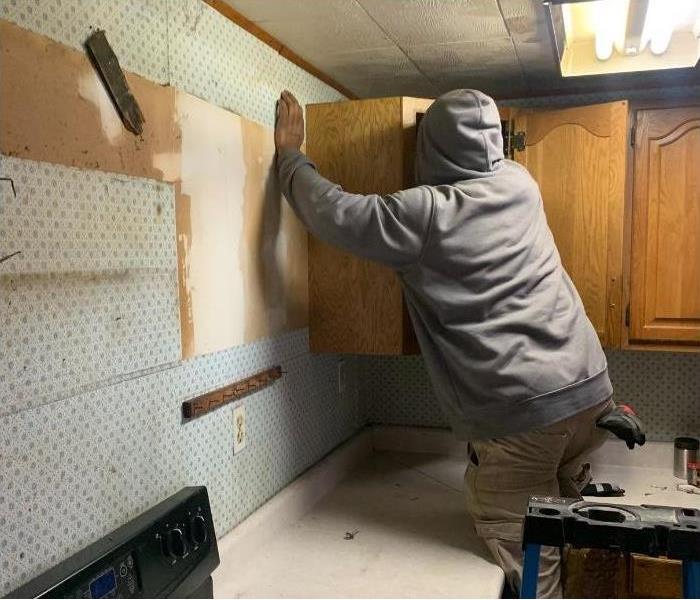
(169, 551)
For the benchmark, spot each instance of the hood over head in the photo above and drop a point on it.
(458, 138)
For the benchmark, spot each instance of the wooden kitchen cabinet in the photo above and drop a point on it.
(665, 240)
(592, 573)
(655, 577)
(366, 146)
(625, 218)
(578, 157)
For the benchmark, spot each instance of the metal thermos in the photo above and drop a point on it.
(685, 450)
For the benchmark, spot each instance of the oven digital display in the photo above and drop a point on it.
(103, 585)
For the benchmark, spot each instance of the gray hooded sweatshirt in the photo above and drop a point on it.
(501, 327)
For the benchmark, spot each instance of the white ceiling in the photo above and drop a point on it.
(415, 47)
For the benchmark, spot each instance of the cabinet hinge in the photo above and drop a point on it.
(633, 134)
(519, 139)
(512, 140)
(627, 316)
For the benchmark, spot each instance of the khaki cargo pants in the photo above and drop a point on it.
(503, 473)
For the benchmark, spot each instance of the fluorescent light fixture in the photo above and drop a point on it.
(595, 37)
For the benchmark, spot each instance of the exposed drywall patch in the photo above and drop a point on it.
(55, 109)
(183, 224)
(92, 295)
(273, 254)
(212, 176)
(242, 252)
(93, 90)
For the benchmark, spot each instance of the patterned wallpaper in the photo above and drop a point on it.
(93, 294)
(90, 433)
(663, 387)
(90, 377)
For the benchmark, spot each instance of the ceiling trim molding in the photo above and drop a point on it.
(233, 15)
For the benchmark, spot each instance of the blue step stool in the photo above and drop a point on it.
(651, 530)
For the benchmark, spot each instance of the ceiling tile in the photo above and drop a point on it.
(493, 57)
(320, 38)
(290, 10)
(388, 63)
(312, 28)
(525, 19)
(503, 87)
(413, 22)
(418, 86)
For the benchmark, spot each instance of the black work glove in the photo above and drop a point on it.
(625, 424)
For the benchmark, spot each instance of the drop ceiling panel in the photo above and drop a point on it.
(393, 47)
(368, 64)
(313, 28)
(493, 57)
(507, 87)
(292, 10)
(419, 87)
(413, 22)
(525, 20)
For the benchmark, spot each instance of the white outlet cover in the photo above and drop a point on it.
(240, 432)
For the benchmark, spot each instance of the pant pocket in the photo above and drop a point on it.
(506, 530)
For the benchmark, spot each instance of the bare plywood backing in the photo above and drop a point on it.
(55, 109)
(355, 305)
(578, 158)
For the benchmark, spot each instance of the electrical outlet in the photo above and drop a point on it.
(239, 428)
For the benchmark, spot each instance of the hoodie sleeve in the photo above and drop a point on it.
(388, 229)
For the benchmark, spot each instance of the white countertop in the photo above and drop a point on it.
(646, 475)
(411, 538)
(411, 534)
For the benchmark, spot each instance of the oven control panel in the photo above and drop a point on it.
(118, 580)
(169, 551)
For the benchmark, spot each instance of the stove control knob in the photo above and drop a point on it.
(174, 543)
(198, 530)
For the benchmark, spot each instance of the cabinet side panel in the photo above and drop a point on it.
(355, 306)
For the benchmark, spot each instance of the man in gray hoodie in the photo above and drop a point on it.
(513, 359)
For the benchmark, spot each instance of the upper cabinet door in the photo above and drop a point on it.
(578, 158)
(665, 267)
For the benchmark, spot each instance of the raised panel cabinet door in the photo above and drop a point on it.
(665, 265)
(578, 157)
